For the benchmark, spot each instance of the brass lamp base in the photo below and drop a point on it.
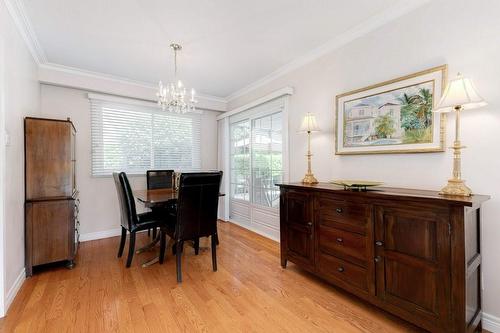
(456, 187)
(309, 179)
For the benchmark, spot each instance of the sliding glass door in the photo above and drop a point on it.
(267, 160)
(256, 165)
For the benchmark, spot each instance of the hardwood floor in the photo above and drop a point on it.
(249, 293)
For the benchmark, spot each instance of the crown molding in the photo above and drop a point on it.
(114, 78)
(96, 75)
(371, 24)
(17, 11)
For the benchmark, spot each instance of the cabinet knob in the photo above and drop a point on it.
(377, 259)
(339, 240)
(310, 224)
(379, 243)
(340, 269)
(338, 210)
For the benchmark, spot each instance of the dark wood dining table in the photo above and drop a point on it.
(158, 197)
(152, 199)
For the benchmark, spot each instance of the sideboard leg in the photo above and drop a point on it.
(283, 262)
(70, 264)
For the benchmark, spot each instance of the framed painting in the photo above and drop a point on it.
(393, 116)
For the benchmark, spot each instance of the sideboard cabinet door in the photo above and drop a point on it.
(297, 223)
(412, 249)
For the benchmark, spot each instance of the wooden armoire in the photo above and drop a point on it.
(51, 197)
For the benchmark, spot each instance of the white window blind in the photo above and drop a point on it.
(137, 136)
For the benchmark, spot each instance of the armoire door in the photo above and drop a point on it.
(50, 231)
(412, 250)
(48, 159)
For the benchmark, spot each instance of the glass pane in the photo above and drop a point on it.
(267, 157)
(240, 160)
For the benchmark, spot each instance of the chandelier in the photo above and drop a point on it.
(172, 97)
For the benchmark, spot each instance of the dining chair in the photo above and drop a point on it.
(195, 215)
(158, 179)
(130, 220)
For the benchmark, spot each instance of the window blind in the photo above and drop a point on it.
(137, 136)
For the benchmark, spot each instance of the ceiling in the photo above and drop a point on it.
(227, 44)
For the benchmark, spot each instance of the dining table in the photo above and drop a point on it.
(154, 199)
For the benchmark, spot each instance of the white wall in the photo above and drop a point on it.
(99, 215)
(463, 34)
(19, 98)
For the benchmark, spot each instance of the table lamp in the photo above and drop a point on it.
(459, 95)
(308, 126)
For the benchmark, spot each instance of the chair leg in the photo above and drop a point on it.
(149, 232)
(214, 252)
(154, 233)
(174, 248)
(122, 242)
(178, 261)
(196, 246)
(163, 244)
(131, 249)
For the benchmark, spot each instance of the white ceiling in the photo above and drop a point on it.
(228, 44)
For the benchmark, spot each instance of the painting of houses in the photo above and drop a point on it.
(361, 125)
(397, 114)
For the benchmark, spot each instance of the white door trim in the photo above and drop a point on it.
(2, 178)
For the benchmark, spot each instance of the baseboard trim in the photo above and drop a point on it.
(256, 230)
(90, 236)
(491, 323)
(11, 294)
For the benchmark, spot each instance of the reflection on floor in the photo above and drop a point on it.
(249, 293)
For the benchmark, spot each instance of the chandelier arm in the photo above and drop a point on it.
(175, 65)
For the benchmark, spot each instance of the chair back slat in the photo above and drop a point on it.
(128, 213)
(157, 179)
(197, 205)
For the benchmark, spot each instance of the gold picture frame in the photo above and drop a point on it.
(364, 117)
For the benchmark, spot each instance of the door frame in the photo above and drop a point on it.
(2, 177)
(224, 147)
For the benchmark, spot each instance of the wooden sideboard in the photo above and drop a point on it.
(51, 206)
(413, 253)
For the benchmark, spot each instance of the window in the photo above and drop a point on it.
(267, 166)
(256, 143)
(240, 160)
(136, 137)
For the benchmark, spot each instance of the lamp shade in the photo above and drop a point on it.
(309, 123)
(460, 92)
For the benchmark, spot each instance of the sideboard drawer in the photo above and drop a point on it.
(343, 244)
(339, 269)
(352, 216)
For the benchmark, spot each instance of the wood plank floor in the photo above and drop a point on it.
(249, 293)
